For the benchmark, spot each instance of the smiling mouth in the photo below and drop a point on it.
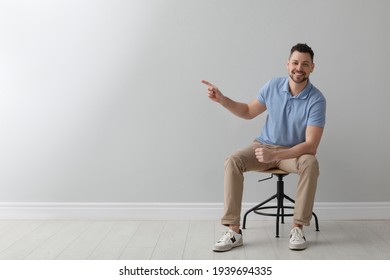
(299, 74)
(298, 77)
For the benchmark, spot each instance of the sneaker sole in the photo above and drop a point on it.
(297, 247)
(240, 243)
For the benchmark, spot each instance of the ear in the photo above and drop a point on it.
(312, 67)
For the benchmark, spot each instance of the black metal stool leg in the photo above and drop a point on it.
(280, 196)
(316, 221)
(255, 207)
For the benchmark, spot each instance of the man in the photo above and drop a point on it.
(289, 141)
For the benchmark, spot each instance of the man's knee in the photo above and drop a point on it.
(234, 162)
(308, 163)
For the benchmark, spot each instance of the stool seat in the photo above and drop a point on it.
(276, 171)
(279, 196)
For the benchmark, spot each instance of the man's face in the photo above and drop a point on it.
(299, 67)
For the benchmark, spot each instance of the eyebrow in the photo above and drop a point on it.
(296, 60)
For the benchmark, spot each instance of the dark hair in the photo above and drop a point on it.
(302, 48)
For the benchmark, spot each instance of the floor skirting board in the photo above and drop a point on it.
(175, 211)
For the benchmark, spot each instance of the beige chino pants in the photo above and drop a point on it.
(244, 160)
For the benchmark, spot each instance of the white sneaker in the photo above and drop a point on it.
(297, 239)
(228, 241)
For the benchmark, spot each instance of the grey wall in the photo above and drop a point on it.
(101, 101)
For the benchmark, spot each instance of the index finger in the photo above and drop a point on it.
(208, 83)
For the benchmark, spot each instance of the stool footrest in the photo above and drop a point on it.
(258, 211)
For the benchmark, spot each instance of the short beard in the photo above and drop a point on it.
(299, 82)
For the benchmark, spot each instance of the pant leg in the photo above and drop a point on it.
(307, 167)
(235, 165)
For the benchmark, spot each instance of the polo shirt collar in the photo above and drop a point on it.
(303, 94)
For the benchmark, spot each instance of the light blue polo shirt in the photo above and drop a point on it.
(289, 115)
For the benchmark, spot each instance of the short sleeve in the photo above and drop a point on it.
(317, 114)
(262, 96)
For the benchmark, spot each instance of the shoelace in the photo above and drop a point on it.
(226, 236)
(296, 235)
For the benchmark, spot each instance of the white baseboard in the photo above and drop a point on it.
(174, 211)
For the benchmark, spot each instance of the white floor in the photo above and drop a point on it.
(100, 240)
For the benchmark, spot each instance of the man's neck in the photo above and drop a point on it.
(296, 88)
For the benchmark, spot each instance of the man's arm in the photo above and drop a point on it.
(242, 110)
(313, 138)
